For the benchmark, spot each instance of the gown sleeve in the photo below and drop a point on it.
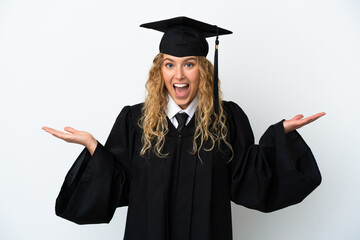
(95, 185)
(278, 172)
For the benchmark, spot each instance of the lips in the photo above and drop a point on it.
(181, 89)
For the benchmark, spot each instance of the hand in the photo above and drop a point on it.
(75, 136)
(298, 121)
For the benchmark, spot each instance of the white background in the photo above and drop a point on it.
(78, 63)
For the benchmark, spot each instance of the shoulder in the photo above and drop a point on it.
(237, 120)
(132, 111)
(233, 109)
(131, 114)
(136, 111)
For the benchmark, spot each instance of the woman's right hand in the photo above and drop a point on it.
(75, 136)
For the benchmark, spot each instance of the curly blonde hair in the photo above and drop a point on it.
(209, 126)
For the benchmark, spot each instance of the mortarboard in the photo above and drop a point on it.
(184, 36)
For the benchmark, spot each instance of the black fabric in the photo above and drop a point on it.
(181, 118)
(180, 197)
(184, 36)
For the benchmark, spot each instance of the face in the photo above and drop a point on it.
(182, 78)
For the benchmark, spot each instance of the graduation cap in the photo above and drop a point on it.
(184, 36)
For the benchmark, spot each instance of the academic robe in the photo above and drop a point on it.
(181, 197)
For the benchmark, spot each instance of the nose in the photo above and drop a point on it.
(179, 73)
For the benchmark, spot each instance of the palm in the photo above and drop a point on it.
(74, 136)
(299, 121)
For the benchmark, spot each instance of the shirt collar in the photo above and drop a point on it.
(173, 108)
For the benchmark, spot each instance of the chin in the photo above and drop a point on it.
(183, 103)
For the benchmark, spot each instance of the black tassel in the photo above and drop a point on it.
(216, 79)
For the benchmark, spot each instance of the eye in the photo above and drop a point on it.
(188, 65)
(169, 65)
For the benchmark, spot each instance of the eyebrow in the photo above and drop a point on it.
(186, 59)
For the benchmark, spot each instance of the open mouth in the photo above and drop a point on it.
(181, 89)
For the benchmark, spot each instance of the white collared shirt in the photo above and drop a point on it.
(173, 109)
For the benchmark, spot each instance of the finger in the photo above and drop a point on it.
(45, 128)
(49, 130)
(310, 119)
(316, 116)
(58, 134)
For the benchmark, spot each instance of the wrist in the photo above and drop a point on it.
(91, 145)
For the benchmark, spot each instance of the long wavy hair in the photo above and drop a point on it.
(209, 126)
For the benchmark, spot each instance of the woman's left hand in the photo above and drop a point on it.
(299, 121)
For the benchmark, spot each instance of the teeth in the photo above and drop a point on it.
(180, 85)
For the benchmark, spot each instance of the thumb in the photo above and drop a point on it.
(70, 129)
(297, 117)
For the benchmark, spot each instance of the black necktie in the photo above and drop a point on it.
(181, 118)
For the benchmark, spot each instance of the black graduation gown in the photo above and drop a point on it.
(179, 197)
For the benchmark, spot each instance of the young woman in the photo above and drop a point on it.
(179, 158)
